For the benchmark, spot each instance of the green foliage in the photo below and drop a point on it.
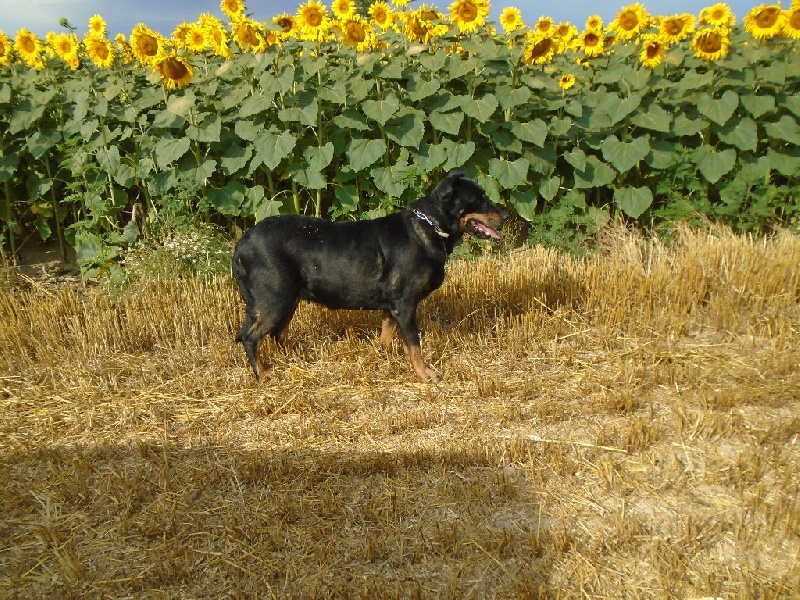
(328, 131)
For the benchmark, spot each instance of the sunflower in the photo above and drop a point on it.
(175, 71)
(594, 22)
(540, 49)
(5, 49)
(312, 18)
(676, 27)
(469, 15)
(216, 36)
(145, 43)
(400, 3)
(566, 81)
(248, 35)
(511, 19)
(233, 8)
(544, 25)
(179, 35)
(711, 43)
(765, 21)
(287, 23)
(356, 32)
(630, 21)
(717, 15)
(29, 48)
(424, 24)
(195, 39)
(97, 25)
(566, 31)
(124, 48)
(64, 45)
(653, 48)
(791, 26)
(342, 9)
(591, 41)
(381, 15)
(99, 50)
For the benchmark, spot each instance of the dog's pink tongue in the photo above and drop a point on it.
(486, 230)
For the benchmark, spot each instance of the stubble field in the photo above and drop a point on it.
(622, 425)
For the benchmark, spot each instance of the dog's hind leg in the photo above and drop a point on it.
(406, 319)
(388, 330)
(259, 323)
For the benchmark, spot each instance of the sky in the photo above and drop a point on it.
(41, 16)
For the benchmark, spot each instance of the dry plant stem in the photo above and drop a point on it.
(625, 424)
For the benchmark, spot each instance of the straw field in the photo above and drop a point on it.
(621, 425)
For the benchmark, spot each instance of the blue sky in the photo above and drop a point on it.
(41, 16)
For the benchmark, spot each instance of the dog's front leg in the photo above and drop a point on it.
(406, 319)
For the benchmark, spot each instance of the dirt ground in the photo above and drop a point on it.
(621, 425)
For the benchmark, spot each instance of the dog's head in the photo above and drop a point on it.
(461, 206)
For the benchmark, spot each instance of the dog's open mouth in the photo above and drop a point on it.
(482, 230)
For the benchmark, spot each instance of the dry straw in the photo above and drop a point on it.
(619, 425)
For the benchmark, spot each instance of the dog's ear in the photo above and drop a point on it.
(444, 190)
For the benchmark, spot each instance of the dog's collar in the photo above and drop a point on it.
(423, 217)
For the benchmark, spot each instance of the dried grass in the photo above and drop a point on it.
(620, 425)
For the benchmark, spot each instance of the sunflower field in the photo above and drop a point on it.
(351, 110)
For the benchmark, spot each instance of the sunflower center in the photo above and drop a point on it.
(591, 40)
(467, 11)
(355, 32)
(174, 69)
(314, 18)
(28, 45)
(710, 42)
(542, 48)
(148, 46)
(673, 27)
(652, 50)
(629, 21)
(767, 17)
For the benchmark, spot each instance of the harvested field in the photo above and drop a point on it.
(622, 425)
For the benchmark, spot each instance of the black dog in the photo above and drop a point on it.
(389, 264)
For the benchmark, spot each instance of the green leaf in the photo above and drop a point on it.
(307, 177)
(655, 118)
(534, 132)
(208, 130)
(25, 116)
(419, 89)
(8, 166)
(364, 152)
(714, 164)
(618, 108)
(524, 202)
(271, 148)
(686, 127)
(430, 157)
(509, 174)
(596, 174)
(246, 130)
(718, 110)
(39, 143)
(108, 159)
(633, 201)
(319, 158)
(743, 134)
(576, 158)
(406, 129)
(549, 187)
(351, 120)
(785, 129)
(381, 111)
(758, 105)
(792, 102)
(625, 155)
(515, 97)
(235, 157)
(304, 111)
(787, 165)
(457, 154)
(182, 104)
(447, 122)
(481, 109)
(228, 199)
(392, 181)
(169, 150)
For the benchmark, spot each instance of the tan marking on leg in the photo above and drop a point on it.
(388, 330)
(423, 371)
